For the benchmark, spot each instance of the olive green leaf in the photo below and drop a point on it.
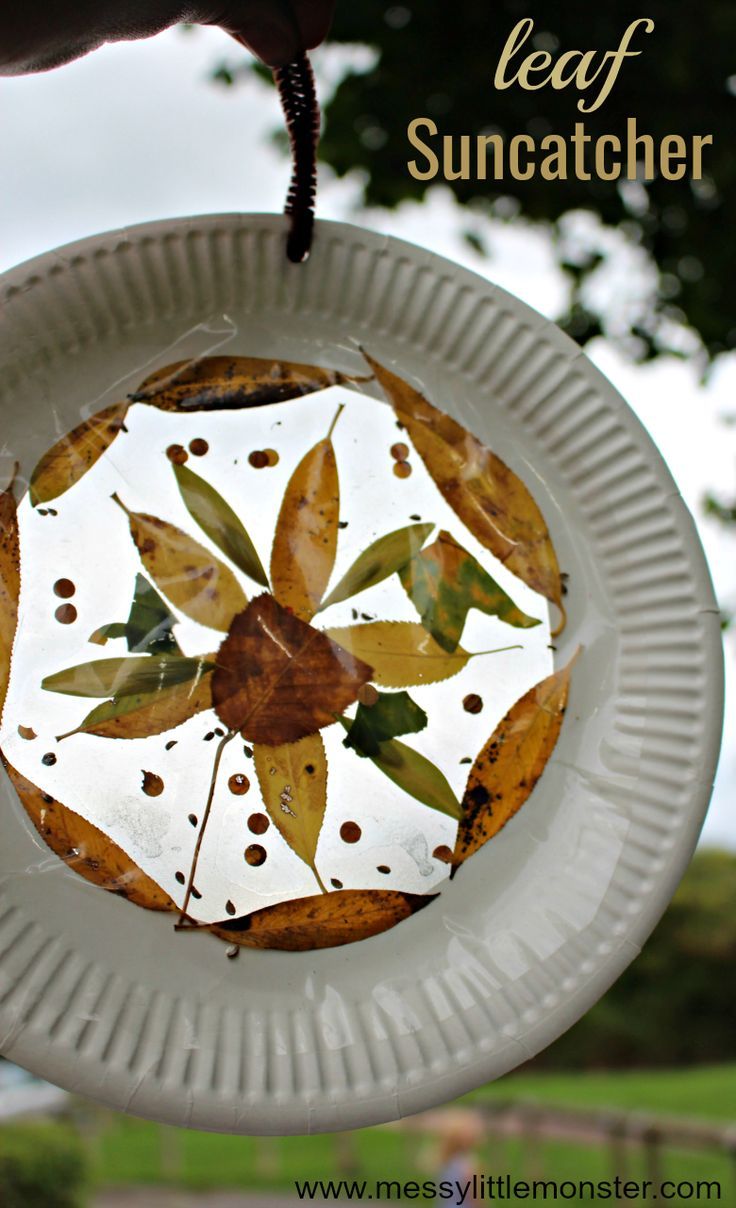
(415, 775)
(392, 713)
(125, 676)
(444, 582)
(380, 560)
(218, 520)
(107, 633)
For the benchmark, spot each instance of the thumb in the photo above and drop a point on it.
(276, 31)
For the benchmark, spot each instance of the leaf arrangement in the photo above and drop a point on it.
(281, 675)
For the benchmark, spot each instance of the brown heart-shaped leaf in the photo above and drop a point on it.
(72, 456)
(511, 762)
(9, 585)
(85, 849)
(278, 679)
(325, 921)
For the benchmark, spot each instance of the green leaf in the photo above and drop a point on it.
(146, 713)
(415, 775)
(106, 633)
(150, 625)
(444, 582)
(393, 713)
(218, 520)
(382, 559)
(125, 676)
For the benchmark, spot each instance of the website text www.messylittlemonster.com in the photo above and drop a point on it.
(486, 1189)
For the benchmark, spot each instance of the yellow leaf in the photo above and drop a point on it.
(487, 496)
(192, 578)
(401, 653)
(325, 921)
(305, 542)
(9, 585)
(148, 713)
(511, 762)
(75, 454)
(85, 849)
(230, 383)
(293, 780)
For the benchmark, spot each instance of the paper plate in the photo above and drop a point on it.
(96, 995)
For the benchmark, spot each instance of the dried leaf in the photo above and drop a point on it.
(380, 560)
(511, 762)
(148, 713)
(107, 633)
(75, 454)
(189, 575)
(85, 849)
(230, 383)
(9, 585)
(444, 582)
(218, 520)
(488, 497)
(278, 679)
(126, 676)
(324, 921)
(415, 774)
(305, 542)
(401, 653)
(293, 780)
(392, 714)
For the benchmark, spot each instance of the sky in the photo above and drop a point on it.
(138, 132)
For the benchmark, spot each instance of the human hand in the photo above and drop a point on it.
(37, 37)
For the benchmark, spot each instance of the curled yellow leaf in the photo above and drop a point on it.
(191, 577)
(401, 653)
(481, 489)
(511, 762)
(72, 456)
(305, 541)
(85, 849)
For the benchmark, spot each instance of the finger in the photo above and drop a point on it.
(276, 31)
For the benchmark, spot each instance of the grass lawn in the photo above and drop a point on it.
(129, 1151)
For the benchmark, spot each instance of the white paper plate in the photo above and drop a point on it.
(95, 994)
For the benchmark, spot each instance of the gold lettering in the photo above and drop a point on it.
(672, 147)
(700, 141)
(485, 141)
(514, 42)
(434, 164)
(579, 140)
(617, 58)
(448, 148)
(515, 169)
(633, 142)
(614, 171)
(554, 165)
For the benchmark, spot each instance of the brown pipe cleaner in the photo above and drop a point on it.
(296, 88)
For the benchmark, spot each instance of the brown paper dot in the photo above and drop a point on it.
(230, 907)
(258, 824)
(64, 589)
(399, 451)
(177, 454)
(258, 459)
(198, 447)
(66, 614)
(49, 759)
(402, 469)
(335, 883)
(193, 819)
(472, 703)
(180, 877)
(238, 784)
(255, 855)
(368, 695)
(443, 853)
(273, 457)
(153, 785)
(195, 893)
(384, 868)
(350, 832)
